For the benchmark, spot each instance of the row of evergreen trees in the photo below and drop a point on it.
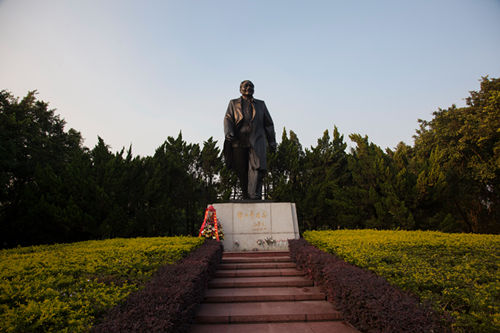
(53, 189)
(449, 180)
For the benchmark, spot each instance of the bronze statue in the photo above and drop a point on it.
(248, 128)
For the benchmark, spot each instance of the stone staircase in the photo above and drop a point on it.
(265, 292)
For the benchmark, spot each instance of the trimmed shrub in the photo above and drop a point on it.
(64, 287)
(168, 302)
(456, 274)
(367, 301)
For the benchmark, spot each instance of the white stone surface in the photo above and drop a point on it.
(257, 226)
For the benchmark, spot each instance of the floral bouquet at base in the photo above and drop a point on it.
(211, 228)
(209, 231)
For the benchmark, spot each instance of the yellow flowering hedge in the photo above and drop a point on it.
(457, 273)
(63, 287)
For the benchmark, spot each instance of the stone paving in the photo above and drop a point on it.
(265, 292)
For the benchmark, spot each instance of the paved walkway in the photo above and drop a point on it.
(264, 292)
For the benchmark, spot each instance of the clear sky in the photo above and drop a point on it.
(135, 72)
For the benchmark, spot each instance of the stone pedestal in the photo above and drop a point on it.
(257, 226)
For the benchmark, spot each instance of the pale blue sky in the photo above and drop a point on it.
(135, 72)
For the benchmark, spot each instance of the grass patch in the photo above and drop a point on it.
(64, 287)
(457, 273)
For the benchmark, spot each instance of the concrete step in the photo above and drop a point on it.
(270, 294)
(259, 272)
(232, 260)
(256, 254)
(264, 292)
(263, 265)
(264, 312)
(295, 327)
(267, 281)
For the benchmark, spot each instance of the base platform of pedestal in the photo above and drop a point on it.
(257, 226)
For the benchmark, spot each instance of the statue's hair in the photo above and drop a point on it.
(243, 82)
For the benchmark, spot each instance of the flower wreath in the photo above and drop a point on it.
(211, 228)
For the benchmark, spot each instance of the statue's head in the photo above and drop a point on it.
(247, 88)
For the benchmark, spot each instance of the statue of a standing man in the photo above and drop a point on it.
(248, 128)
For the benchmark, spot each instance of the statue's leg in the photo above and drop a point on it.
(258, 188)
(252, 182)
(255, 177)
(240, 161)
(255, 180)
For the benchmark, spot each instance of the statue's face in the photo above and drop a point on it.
(246, 88)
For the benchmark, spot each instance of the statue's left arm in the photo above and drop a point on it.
(269, 129)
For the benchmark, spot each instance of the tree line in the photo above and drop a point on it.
(54, 189)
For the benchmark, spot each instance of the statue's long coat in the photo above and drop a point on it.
(262, 130)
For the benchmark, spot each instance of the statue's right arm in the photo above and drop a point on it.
(229, 123)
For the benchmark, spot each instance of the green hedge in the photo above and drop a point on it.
(64, 287)
(457, 273)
